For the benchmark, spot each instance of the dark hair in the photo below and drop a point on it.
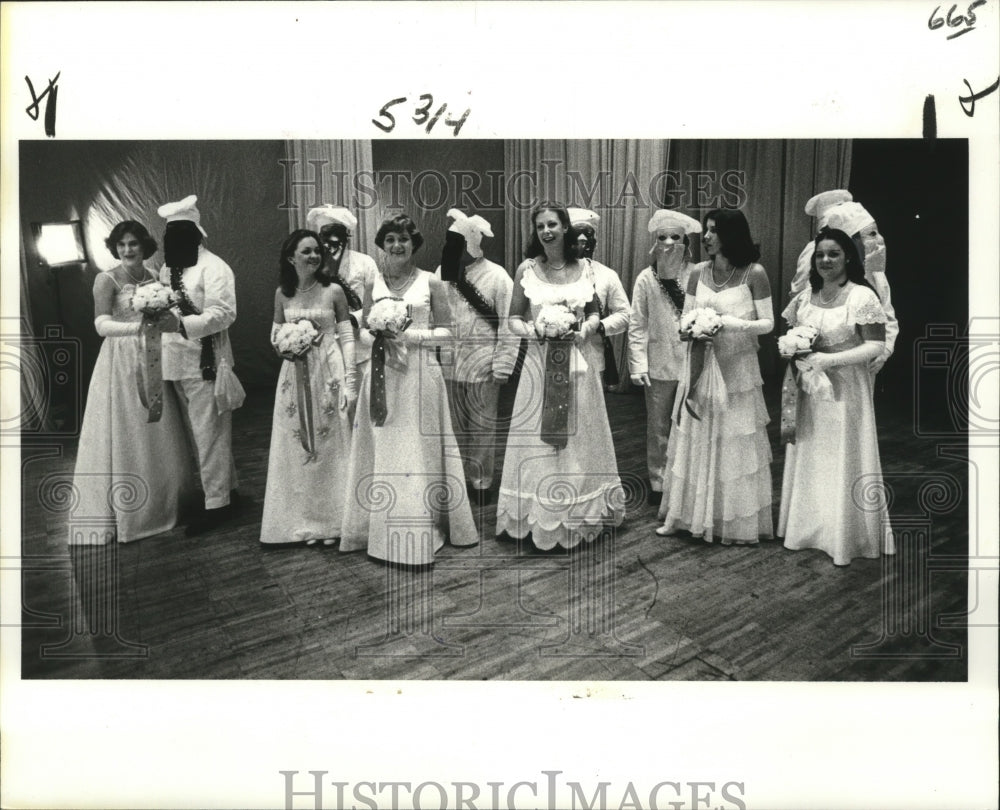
(400, 223)
(288, 278)
(854, 265)
(138, 230)
(735, 241)
(338, 229)
(535, 249)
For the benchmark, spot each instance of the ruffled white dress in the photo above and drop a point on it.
(560, 496)
(717, 478)
(831, 496)
(405, 486)
(129, 471)
(304, 498)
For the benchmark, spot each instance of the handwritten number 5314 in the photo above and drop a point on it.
(421, 115)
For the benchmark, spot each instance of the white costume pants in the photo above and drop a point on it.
(474, 419)
(659, 407)
(211, 436)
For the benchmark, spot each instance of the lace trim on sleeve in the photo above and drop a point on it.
(863, 307)
(791, 313)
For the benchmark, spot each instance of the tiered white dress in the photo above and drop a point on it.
(405, 486)
(717, 478)
(128, 470)
(831, 495)
(561, 496)
(304, 499)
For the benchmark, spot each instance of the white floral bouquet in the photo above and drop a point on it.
(797, 341)
(295, 338)
(153, 299)
(554, 321)
(700, 323)
(389, 315)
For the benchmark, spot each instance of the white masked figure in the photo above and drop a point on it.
(655, 350)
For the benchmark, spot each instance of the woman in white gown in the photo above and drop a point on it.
(560, 480)
(717, 479)
(133, 473)
(405, 484)
(311, 425)
(831, 495)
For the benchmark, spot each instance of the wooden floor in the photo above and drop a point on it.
(631, 607)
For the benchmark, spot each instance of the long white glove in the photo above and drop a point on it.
(521, 327)
(345, 334)
(763, 325)
(864, 353)
(416, 337)
(107, 326)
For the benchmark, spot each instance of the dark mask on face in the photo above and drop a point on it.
(180, 244)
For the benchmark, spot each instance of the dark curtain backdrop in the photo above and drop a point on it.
(239, 187)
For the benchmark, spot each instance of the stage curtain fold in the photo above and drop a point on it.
(351, 157)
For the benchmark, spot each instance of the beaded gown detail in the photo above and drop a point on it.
(304, 499)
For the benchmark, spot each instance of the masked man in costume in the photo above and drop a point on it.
(610, 293)
(482, 352)
(197, 356)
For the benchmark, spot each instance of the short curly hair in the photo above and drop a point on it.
(400, 223)
(138, 230)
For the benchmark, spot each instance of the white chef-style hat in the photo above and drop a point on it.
(849, 217)
(185, 210)
(819, 205)
(665, 218)
(328, 215)
(583, 216)
(473, 228)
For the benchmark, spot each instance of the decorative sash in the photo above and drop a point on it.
(148, 370)
(557, 391)
(353, 301)
(789, 404)
(452, 271)
(384, 352)
(303, 397)
(673, 291)
(610, 361)
(187, 307)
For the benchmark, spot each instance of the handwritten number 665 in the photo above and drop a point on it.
(422, 115)
(969, 18)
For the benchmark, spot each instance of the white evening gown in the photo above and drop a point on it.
(304, 499)
(717, 479)
(831, 495)
(129, 471)
(405, 492)
(568, 495)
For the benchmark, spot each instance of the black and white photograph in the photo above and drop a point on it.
(352, 443)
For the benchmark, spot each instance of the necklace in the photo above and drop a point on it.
(711, 279)
(306, 289)
(397, 287)
(553, 267)
(836, 292)
(129, 274)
